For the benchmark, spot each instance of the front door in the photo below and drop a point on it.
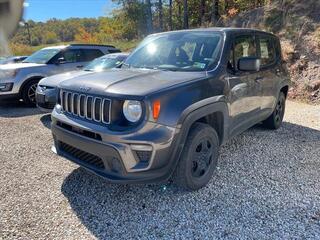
(74, 59)
(245, 90)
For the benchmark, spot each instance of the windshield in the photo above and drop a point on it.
(178, 51)
(42, 56)
(104, 63)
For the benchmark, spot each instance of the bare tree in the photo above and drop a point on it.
(215, 12)
(149, 16)
(179, 13)
(170, 15)
(202, 12)
(185, 14)
(160, 15)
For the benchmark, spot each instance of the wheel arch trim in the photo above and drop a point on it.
(27, 81)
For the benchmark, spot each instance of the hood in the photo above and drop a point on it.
(14, 66)
(130, 82)
(53, 81)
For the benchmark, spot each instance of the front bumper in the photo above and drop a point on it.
(8, 91)
(46, 100)
(115, 156)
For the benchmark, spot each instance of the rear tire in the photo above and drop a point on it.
(29, 93)
(199, 158)
(276, 118)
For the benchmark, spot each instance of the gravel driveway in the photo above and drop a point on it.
(267, 186)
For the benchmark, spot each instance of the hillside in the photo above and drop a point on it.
(297, 23)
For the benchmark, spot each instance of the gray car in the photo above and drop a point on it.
(19, 80)
(46, 94)
(178, 97)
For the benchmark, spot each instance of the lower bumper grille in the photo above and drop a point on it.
(82, 156)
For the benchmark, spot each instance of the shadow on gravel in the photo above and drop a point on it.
(46, 120)
(230, 200)
(15, 109)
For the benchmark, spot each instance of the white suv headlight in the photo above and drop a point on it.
(8, 73)
(132, 110)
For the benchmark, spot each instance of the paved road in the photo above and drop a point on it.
(267, 186)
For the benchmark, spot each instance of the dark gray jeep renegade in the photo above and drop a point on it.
(179, 96)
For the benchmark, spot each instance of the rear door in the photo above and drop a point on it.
(270, 55)
(91, 54)
(245, 92)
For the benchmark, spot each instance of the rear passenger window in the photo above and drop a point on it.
(244, 46)
(72, 56)
(267, 51)
(91, 54)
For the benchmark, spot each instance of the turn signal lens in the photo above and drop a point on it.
(156, 109)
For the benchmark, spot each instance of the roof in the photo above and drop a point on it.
(90, 45)
(220, 29)
(56, 47)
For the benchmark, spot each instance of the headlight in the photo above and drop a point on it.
(8, 73)
(132, 110)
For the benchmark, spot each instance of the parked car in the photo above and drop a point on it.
(179, 97)
(19, 80)
(13, 59)
(46, 94)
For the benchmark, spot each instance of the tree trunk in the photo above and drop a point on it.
(149, 17)
(170, 15)
(215, 12)
(160, 15)
(226, 6)
(202, 12)
(180, 14)
(185, 14)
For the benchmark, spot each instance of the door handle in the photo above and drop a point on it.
(80, 66)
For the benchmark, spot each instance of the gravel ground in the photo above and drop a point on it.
(267, 186)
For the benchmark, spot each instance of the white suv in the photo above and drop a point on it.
(19, 80)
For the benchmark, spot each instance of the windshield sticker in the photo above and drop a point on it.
(199, 65)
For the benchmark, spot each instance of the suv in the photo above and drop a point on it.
(178, 97)
(19, 80)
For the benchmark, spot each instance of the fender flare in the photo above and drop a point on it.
(190, 116)
(201, 109)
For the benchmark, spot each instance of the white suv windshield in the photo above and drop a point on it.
(104, 63)
(42, 56)
(178, 51)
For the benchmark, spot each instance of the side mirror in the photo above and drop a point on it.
(61, 61)
(249, 64)
(119, 65)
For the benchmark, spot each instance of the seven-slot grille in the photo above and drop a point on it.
(85, 106)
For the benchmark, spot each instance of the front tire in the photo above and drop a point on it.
(276, 118)
(199, 158)
(29, 93)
